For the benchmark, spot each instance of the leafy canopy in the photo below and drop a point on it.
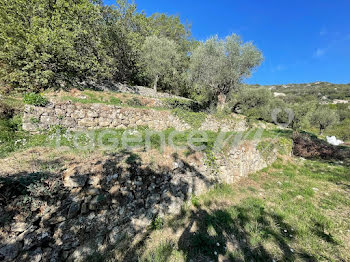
(160, 58)
(220, 65)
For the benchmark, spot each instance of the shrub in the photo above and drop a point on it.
(134, 102)
(6, 111)
(254, 103)
(324, 118)
(35, 99)
(341, 130)
(157, 223)
(185, 104)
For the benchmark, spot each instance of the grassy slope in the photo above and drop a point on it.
(296, 210)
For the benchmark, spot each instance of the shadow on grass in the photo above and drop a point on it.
(227, 235)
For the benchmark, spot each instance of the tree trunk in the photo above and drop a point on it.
(155, 83)
(321, 130)
(221, 101)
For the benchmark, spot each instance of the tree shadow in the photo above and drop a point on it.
(90, 207)
(223, 235)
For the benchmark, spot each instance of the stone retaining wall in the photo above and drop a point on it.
(93, 204)
(75, 116)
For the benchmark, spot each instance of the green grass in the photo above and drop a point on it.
(194, 119)
(13, 138)
(295, 211)
(164, 252)
(92, 98)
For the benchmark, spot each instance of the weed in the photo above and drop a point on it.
(35, 99)
(194, 119)
(157, 223)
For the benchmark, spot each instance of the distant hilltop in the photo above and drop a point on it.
(313, 84)
(324, 92)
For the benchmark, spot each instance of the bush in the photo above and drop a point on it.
(6, 111)
(254, 103)
(184, 104)
(134, 102)
(341, 130)
(35, 99)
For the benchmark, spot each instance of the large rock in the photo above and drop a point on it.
(72, 178)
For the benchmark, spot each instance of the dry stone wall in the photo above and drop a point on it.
(93, 116)
(94, 204)
(76, 116)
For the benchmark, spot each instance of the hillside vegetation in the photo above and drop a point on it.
(212, 169)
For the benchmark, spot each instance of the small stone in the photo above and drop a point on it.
(84, 208)
(299, 197)
(73, 210)
(36, 255)
(112, 177)
(93, 191)
(19, 227)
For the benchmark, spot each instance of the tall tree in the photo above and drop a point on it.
(160, 59)
(47, 43)
(220, 65)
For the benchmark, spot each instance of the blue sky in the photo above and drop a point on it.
(302, 41)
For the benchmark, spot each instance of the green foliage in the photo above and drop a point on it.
(115, 101)
(35, 99)
(50, 44)
(265, 148)
(302, 115)
(66, 44)
(341, 130)
(218, 66)
(194, 119)
(134, 102)
(255, 103)
(184, 104)
(34, 120)
(13, 138)
(93, 98)
(160, 58)
(323, 118)
(164, 252)
(157, 223)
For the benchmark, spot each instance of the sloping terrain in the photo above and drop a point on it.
(70, 203)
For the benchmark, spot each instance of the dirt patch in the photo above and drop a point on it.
(311, 147)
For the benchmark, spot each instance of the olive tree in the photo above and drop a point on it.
(220, 65)
(324, 118)
(159, 58)
(302, 114)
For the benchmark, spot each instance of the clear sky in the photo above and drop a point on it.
(302, 40)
